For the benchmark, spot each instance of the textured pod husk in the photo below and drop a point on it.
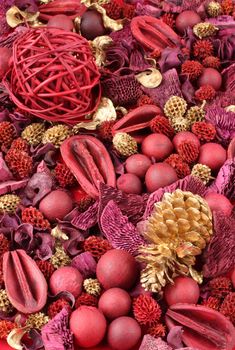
(25, 284)
(153, 33)
(90, 163)
(136, 123)
(70, 8)
(203, 327)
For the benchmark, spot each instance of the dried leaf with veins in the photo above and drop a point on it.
(99, 45)
(151, 78)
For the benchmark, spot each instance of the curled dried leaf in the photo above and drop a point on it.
(15, 336)
(151, 78)
(99, 45)
(230, 108)
(15, 16)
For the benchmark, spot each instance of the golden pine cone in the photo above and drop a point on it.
(214, 9)
(37, 320)
(92, 286)
(5, 304)
(195, 114)
(9, 203)
(60, 258)
(177, 231)
(125, 144)
(56, 135)
(180, 124)
(175, 107)
(33, 133)
(204, 29)
(203, 172)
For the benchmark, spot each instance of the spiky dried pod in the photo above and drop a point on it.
(204, 29)
(203, 172)
(125, 144)
(33, 133)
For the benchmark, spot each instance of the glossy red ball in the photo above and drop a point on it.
(218, 202)
(115, 302)
(5, 55)
(129, 183)
(68, 279)
(123, 333)
(157, 146)
(186, 19)
(88, 325)
(159, 175)
(61, 22)
(185, 136)
(92, 25)
(56, 205)
(117, 268)
(184, 290)
(137, 164)
(212, 77)
(213, 155)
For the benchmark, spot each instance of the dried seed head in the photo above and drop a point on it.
(56, 135)
(203, 172)
(195, 114)
(175, 107)
(9, 203)
(33, 133)
(92, 286)
(37, 320)
(180, 124)
(214, 9)
(205, 29)
(125, 144)
(5, 304)
(60, 258)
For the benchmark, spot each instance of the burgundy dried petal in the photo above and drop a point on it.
(170, 58)
(44, 245)
(87, 219)
(12, 185)
(151, 343)
(174, 337)
(119, 231)
(85, 263)
(24, 237)
(228, 77)
(38, 187)
(203, 327)
(73, 245)
(5, 174)
(25, 284)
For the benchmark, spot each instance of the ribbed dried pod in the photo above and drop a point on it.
(92, 286)
(37, 321)
(56, 135)
(204, 29)
(5, 304)
(196, 114)
(60, 258)
(9, 203)
(180, 124)
(33, 133)
(177, 231)
(175, 107)
(203, 172)
(125, 144)
(214, 9)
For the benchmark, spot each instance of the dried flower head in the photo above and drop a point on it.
(56, 135)
(204, 131)
(158, 330)
(33, 133)
(113, 9)
(180, 124)
(203, 172)
(192, 69)
(20, 144)
(169, 19)
(60, 257)
(176, 232)
(203, 48)
(213, 303)
(97, 246)
(37, 320)
(63, 175)
(211, 62)
(128, 11)
(227, 7)
(161, 125)
(204, 29)
(175, 107)
(46, 268)
(7, 133)
(125, 144)
(188, 151)
(19, 162)
(205, 92)
(228, 307)
(5, 328)
(105, 130)
(182, 168)
(220, 287)
(5, 304)
(9, 203)
(92, 286)
(34, 217)
(145, 100)
(55, 307)
(86, 299)
(214, 9)
(146, 310)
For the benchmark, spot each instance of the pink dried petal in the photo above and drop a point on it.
(85, 263)
(12, 185)
(151, 343)
(87, 219)
(5, 174)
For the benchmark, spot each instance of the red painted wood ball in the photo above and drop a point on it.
(138, 164)
(123, 333)
(183, 136)
(117, 268)
(92, 25)
(61, 22)
(115, 302)
(218, 202)
(129, 183)
(213, 155)
(88, 325)
(184, 290)
(210, 76)
(186, 19)
(56, 205)
(159, 175)
(5, 55)
(158, 146)
(68, 279)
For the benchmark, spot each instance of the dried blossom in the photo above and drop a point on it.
(146, 310)
(85, 263)
(225, 180)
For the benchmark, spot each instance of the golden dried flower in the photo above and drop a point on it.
(9, 203)
(196, 114)
(37, 320)
(5, 304)
(125, 144)
(204, 29)
(92, 286)
(33, 133)
(56, 135)
(60, 258)
(180, 124)
(214, 9)
(175, 107)
(177, 231)
(203, 172)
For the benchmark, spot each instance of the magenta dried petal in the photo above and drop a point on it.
(143, 9)
(189, 183)
(228, 77)
(24, 237)
(84, 221)
(170, 58)
(7, 41)
(36, 340)
(38, 187)
(5, 173)
(188, 91)
(73, 245)
(12, 185)
(123, 35)
(225, 180)
(56, 334)
(85, 263)
(44, 244)
(41, 150)
(119, 231)
(27, 5)
(219, 254)
(174, 337)
(151, 343)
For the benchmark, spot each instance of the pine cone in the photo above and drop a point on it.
(33, 133)
(180, 124)
(56, 135)
(37, 320)
(60, 258)
(205, 29)
(9, 203)
(125, 144)
(203, 172)
(92, 286)
(5, 304)
(195, 114)
(214, 9)
(177, 231)
(175, 107)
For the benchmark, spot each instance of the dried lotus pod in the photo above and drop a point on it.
(180, 124)
(205, 29)
(175, 107)
(203, 327)
(196, 114)
(9, 203)
(25, 284)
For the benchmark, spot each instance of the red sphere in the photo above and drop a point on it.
(219, 202)
(186, 19)
(184, 290)
(212, 77)
(129, 183)
(68, 279)
(88, 325)
(117, 268)
(160, 175)
(56, 205)
(138, 164)
(213, 155)
(123, 333)
(92, 25)
(158, 146)
(5, 55)
(185, 136)
(115, 302)
(61, 22)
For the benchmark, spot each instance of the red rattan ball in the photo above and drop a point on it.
(53, 75)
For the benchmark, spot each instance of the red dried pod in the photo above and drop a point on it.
(25, 284)
(203, 327)
(90, 163)
(153, 33)
(70, 8)
(137, 122)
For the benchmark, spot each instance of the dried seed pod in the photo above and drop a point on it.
(203, 172)
(195, 114)
(92, 286)
(125, 144)
(37, 320)
(205, 29)
(175, 107)
(9, 203)
(25, 284)
(33, 133)
(5, 304)
(214, 9)
(60, 258)
(180, 124)
(56, 135)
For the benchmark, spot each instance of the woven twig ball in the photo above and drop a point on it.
(53, 75)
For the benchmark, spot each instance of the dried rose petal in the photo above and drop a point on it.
(85, 263)
(151, 343)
